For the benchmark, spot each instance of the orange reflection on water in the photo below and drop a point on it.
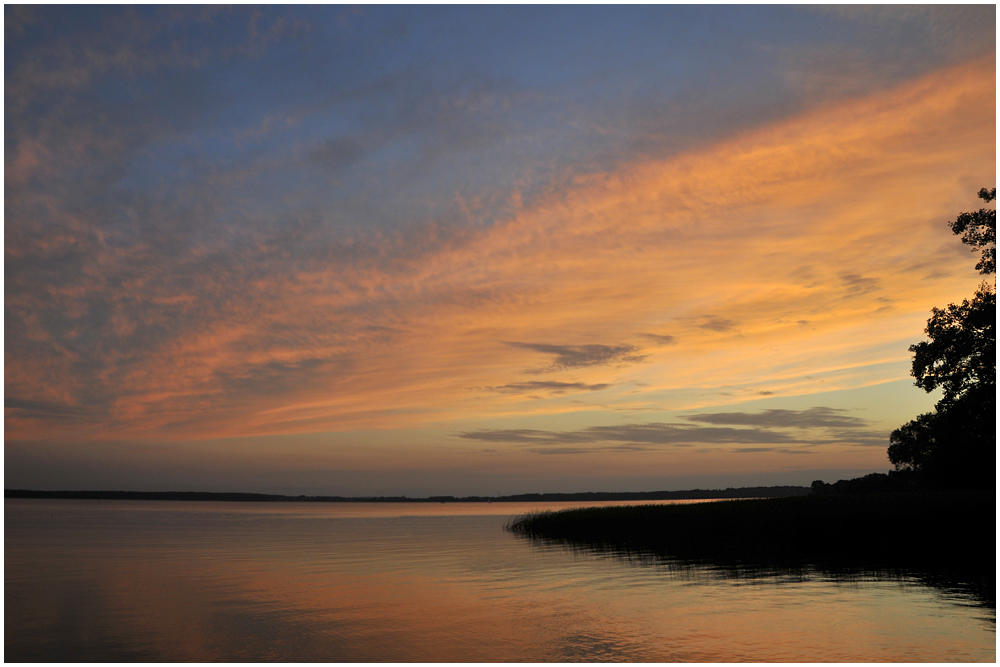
(215, 582)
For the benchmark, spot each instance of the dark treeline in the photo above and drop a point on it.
(694, 494)
(894, 481)
(955, 445)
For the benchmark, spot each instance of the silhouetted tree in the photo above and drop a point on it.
(960, 356)
(912, 443)
(979, 229)
(956, 444)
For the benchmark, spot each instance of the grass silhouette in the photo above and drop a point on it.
(946, 537)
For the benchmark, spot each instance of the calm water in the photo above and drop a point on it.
(185, 581)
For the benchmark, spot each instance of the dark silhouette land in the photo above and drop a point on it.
(943, 538)
(955, 446)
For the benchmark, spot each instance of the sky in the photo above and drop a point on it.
(476, 250)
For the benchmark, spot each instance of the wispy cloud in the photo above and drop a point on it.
(662, 339)
(582, 356)
(47, 410)
(571, 451)
(856, 285)
(663, 434)
(818, 417)
(550, 387)
(183, 271)
(651, 433)
(718, 324)
(815, 426)
(769, 450)
(298, 222)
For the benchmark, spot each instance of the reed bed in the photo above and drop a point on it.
(948, 535)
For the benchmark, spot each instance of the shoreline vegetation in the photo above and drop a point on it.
(945, 538)
(692, 494)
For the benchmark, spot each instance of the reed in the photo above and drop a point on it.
(949, 535)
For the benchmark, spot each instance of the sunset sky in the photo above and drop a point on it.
(479, 250)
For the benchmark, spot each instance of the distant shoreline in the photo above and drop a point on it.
(692, 494)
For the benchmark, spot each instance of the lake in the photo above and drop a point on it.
(87, 580)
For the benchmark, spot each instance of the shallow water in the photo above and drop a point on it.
(213, 581)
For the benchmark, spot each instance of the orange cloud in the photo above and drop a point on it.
(813, 247)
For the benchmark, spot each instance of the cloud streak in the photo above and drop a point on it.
(683, 435)
(582, 356)
(550, 387)
(662, 339)
(718, 324)
(807, 419)
(770, 427)
(314, 265)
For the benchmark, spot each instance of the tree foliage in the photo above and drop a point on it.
(912, 444)
(956, 444)
(952, 447)
(979, 230)
(961, 352)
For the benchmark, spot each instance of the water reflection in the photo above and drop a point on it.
(963, 588)
(218, 582)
